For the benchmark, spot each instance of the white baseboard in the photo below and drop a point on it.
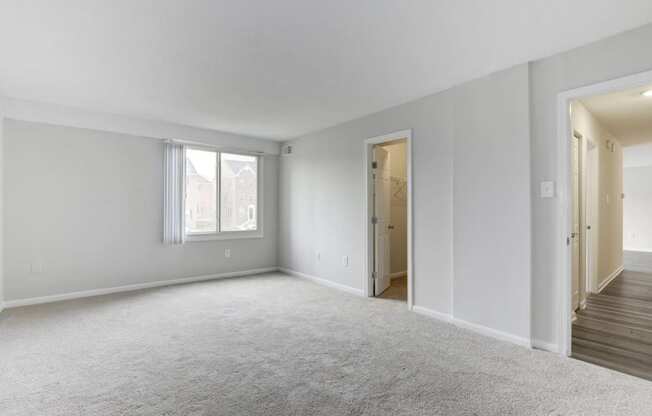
(609, 279)
(323, 282)
(477, 328)
(129, 288)
(545, 346)
(440, 316)
(638, 261)
(398, 275)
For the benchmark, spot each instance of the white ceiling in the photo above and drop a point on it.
(627, 115)
(278, 69)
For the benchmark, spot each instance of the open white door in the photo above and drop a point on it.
(575, 234)
(591, 192)
(381, 219)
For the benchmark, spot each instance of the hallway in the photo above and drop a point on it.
(615, 328)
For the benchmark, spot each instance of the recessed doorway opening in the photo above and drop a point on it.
(606, 194)
(388, 219)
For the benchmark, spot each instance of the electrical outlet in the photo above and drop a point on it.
(345, 261)
(227, 253)
(36, 267)
(547, 189)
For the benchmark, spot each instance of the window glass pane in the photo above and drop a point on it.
(238, 192)
(201, 191)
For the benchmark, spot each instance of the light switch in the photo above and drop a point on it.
(547, 189)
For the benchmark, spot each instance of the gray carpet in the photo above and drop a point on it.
(278, 345)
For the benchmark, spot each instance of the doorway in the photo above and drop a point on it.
(638, 83)
(606, 194)
(388, 219)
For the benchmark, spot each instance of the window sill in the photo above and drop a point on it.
(233, 235)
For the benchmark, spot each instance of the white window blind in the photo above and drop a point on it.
(173, 228)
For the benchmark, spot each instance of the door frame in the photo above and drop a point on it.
(581, 276)
(564, 176)
(367, 210)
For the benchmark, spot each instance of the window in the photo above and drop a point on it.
(221, 194)
(201, 192)
(238, 191)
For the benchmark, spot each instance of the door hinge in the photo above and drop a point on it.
(374, 165)
(374, 220)
(373, 275)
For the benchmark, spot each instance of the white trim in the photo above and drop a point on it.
(129, 288)
(398, 275)
(323, 282)
(639, 268)
(479, 329)
(440, 316)
(564, 131)
(224, 235)
(74, 117)
(217, 148)
(637, 260)
(258, 233)
(367, 236)
(545, 346)
(610, 278)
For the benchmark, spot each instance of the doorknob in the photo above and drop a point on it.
(390, 227)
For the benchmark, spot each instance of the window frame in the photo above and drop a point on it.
(219, 234)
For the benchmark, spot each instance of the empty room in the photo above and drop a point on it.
(325, 208)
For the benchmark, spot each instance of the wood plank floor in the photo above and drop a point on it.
(397, 290)
(615, 328)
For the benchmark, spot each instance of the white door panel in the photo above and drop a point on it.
(382, 201)
(575, 238)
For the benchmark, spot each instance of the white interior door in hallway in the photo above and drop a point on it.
(577, 203)
(381, 219)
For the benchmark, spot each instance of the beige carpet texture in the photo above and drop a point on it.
(278, 345)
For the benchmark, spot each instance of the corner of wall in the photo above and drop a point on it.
(2, 297)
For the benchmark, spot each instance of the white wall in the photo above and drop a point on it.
(471, 200)
(398, 208)
(74, 117)
(638, 208)
(611, 58)
(2, 296)
(638, 155)
(637, 161)
(83, 210)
